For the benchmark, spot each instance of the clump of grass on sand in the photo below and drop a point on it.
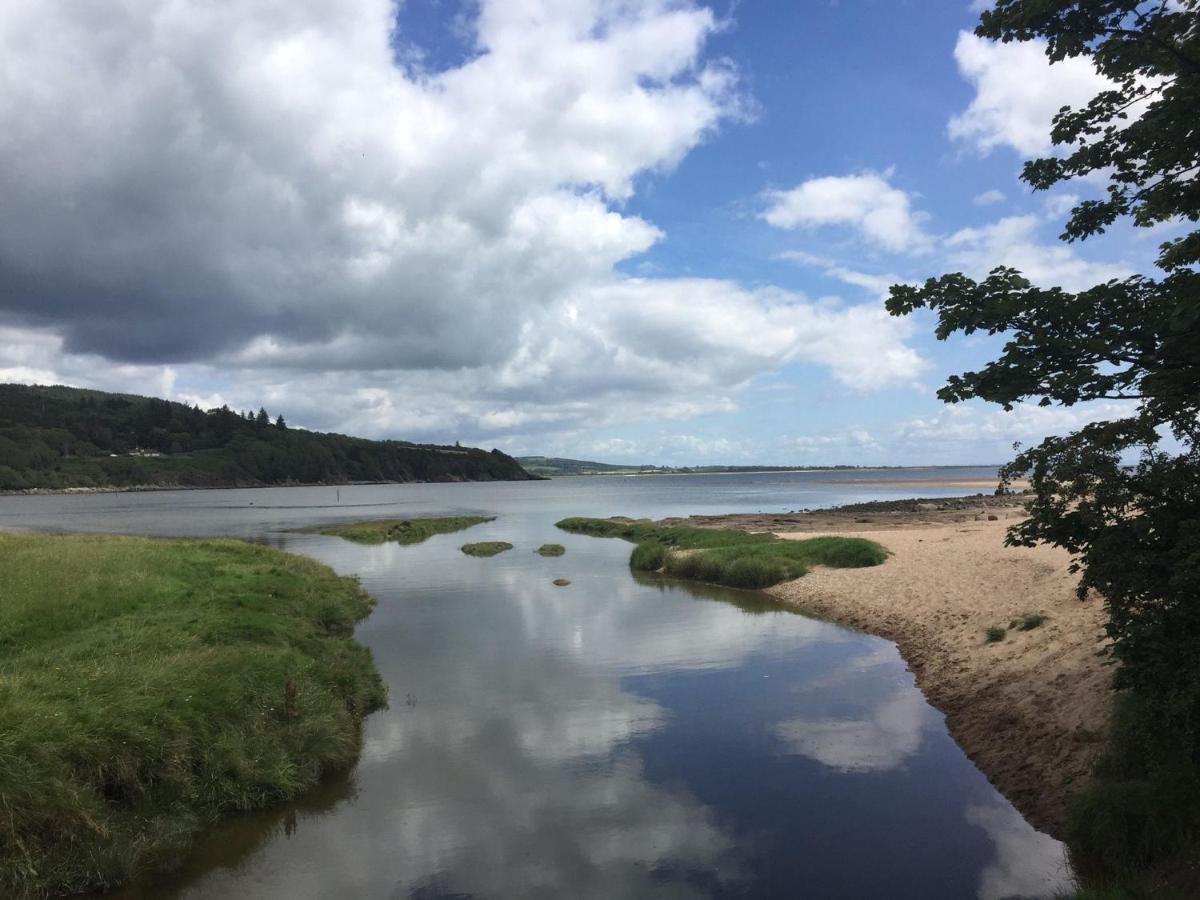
(995, 634)
(723, 556)
(552, 550)
(400, 531)
(1027, 621)
(486, 548)
(148, 687)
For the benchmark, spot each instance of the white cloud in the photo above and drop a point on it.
(1057, 205)
(1012, 241)
(961, 429)
(851, 443)
(1017, 93)
(257, 198)
(989, 198)
(203, 175)
(632, 350)
(867, 202)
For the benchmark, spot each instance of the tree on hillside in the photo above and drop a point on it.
(1122, 495)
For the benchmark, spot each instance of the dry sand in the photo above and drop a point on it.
(1031, 710)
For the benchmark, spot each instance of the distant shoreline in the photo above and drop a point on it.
(153, 488)
(831, 470)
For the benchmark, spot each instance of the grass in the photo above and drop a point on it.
(486, 548)
(149, 687)
(400, 531)
(726, 557)
(1028, 621)
(995, 634)
(552, 550)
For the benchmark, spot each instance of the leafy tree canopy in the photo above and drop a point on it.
(1134, 529)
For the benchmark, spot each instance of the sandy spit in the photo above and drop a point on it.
(1031, 710)
(933, 484)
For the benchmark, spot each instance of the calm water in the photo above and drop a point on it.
(620, 737)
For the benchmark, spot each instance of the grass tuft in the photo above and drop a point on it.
(399, 531)
(995, 633)
(552, 550)
(731, 558)
(149, 687)
(1027, 621)
(486, 548)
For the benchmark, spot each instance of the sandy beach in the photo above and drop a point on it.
(1030, 710)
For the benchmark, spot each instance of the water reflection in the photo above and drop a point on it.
(623, 737)
(883, 740)
(854, 728)
(1025, 865)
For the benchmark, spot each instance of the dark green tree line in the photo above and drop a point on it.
(58, 437)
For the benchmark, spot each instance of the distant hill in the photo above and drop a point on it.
(553, 466)
(60, 437)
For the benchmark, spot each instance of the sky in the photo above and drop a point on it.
(645, 232)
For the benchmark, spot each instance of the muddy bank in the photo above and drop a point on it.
(1030, 710)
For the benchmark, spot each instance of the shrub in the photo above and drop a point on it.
(995, 633)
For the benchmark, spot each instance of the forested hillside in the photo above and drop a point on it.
(61, 437)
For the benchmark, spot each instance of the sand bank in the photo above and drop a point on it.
(1030, 710)
(988, 484)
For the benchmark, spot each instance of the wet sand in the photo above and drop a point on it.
(1030, 710)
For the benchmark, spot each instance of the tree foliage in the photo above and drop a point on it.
(59, 437)
(1123, 495)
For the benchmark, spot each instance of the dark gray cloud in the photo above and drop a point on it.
(254, 202)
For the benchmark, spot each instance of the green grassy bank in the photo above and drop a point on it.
(149, 687)
(732, 558)
(486, 548)
(400, 531)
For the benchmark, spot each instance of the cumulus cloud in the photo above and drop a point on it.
(1017, 93)
(866, 202)
(987, 433)
(1013, 241)
(182, 178)
(261, 200)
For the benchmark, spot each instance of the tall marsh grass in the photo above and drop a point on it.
(726, 557)
(149, 687)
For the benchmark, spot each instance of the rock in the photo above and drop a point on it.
(992, 518)
(562, 582)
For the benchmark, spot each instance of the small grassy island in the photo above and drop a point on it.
(400, 531)
(551, 550)
(727, 557)
(486, 548)
(150, 687)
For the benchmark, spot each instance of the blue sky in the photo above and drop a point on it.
(640, 232)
